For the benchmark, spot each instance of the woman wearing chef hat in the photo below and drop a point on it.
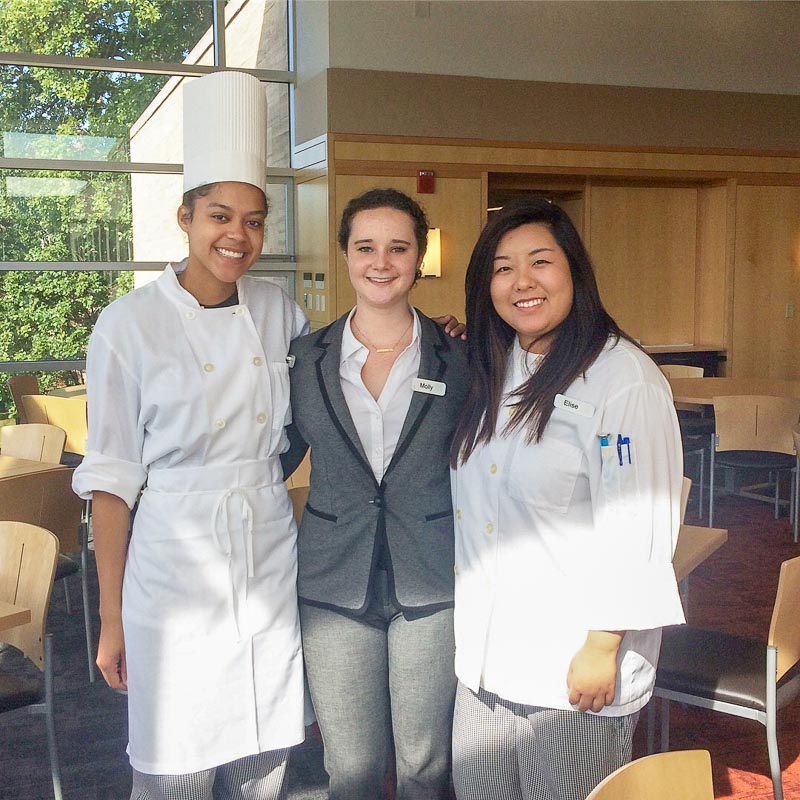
(188, 399)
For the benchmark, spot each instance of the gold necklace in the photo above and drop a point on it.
(382, 349)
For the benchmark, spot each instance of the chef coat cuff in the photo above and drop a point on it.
(632, 599)
(101, 473)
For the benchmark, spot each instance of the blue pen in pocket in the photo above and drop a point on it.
(623, 441)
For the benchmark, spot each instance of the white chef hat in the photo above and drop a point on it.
(224, 130)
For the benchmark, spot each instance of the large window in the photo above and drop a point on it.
(91, 156)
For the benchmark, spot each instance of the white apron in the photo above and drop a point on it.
(209, 596)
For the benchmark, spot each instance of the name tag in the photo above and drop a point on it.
(427, 386)
(579, 407)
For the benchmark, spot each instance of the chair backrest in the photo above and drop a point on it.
(68, 413)
(19, 385)
(756, 422)
(784, 630)
(681, 371)
(686, 487)
(298, 495)
(35, 441)
(27, 565)
(676, 775)
(45, 499)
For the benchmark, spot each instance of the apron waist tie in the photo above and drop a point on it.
(224, 521)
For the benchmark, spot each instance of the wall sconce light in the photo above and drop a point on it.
(432, 263)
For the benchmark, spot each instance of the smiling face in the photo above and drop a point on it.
(226, 234)
(382, 257)
(531, 285)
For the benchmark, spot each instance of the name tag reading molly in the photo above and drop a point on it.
(579, 407)
(427, 386)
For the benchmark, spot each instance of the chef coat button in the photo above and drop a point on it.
(489, 528)
(238, 311)
(493, 469)
(257, 361)
(190, 315)
(261, 419)
(458, 513)
(219, 423)
(208, 367)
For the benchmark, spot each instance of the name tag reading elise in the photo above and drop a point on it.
(427, 386)
(579, 407)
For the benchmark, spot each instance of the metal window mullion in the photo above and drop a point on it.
(140, 67)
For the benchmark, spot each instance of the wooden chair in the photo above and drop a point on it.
(68, 413)
(46, 499)
(682, 775)
(35, 441)
(681, 371)
(735, 674)
(298, 495)
(754, 432)
(19, 385)
(27, 566)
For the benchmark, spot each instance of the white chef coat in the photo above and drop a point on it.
(557, 538)
(193, 402)
(378, 423)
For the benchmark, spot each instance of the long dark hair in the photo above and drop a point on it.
(578, 340)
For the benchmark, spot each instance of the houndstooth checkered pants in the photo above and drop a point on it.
(257, 777)
(510, 751)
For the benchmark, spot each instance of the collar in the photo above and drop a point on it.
(351, 346)
(168, 283)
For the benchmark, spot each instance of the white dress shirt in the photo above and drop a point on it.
(556, 538)
(378, 422)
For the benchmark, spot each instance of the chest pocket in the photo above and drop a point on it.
(543, 474)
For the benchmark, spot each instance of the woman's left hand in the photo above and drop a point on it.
(451, 325)
(592, 674)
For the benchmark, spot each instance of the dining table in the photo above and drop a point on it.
(702, 391)
(12, 615)
(11, 466)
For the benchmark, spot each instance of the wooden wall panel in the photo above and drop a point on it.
(643, 243)
(714, 265)
(456, 208)
(766, 278)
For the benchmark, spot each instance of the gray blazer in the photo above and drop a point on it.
(348, 509)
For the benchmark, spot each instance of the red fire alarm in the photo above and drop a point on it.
(426, 181)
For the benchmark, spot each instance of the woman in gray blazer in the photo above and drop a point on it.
(376, 396)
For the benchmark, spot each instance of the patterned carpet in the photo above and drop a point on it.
(734, 591)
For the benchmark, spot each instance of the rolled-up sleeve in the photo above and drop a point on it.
(113, 461)
(627, 577)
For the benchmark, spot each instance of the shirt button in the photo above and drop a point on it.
(208, 367)
(190, 315)
(458, 513)
(257, 361)
(219, 424)
(261, 419)
(489, 528)
(493, 469)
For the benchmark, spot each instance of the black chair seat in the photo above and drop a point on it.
(701, 663)
(19, 691)
(696, 426)
(750, 459)
(71, 459)
(65, 567)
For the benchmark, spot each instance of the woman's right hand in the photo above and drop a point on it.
(111, 654)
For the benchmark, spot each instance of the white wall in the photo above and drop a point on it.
(700, 44)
